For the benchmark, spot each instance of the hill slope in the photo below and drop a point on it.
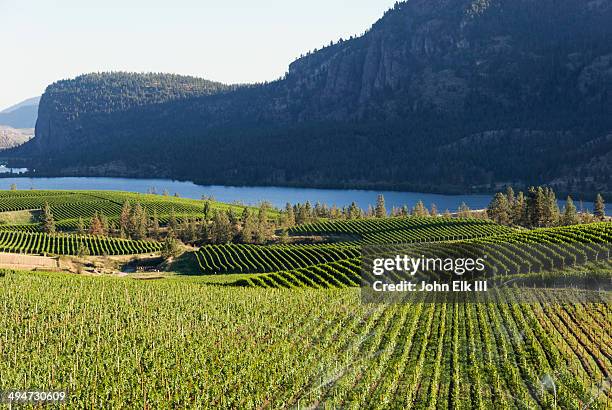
(446, 95)
(11, 137)
(22, 115)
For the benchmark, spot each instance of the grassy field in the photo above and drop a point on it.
(179, 342)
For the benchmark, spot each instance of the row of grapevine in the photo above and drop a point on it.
(341, 274)
(435, 233)
(301, 348)
(214, 259)
(537, 251)
(64, 244)
(374, 225)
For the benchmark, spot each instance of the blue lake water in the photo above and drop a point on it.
(278, 196)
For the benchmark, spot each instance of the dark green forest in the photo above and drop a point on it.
(459, 96)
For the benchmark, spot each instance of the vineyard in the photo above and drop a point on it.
(68, 206)
(163, 344)
(286, 326)
(65, 244)
(216, 259)
(519, 252)
(404, 230)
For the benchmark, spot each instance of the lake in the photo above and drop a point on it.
(278, 196)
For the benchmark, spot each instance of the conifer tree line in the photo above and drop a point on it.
(536, 208)
(306, 213)
(539, 208)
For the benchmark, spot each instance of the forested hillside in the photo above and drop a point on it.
(442, 95)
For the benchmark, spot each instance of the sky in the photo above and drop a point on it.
(238, 41)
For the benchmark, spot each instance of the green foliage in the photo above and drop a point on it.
(570, 215)
(285, 343)
(221, 259)
(499, 209)
(114, 206)
(171, 247)
(600, 208)
(48, 221)
(380, 211)
(404, 229)
(574, 245)
(67, 244)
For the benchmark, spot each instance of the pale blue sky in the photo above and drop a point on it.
(230, 41)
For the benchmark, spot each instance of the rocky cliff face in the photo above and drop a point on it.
(438, 94)
(455, 55)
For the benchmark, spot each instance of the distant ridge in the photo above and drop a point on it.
(24, 103)
(21, 115)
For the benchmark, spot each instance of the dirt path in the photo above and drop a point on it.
(19, 261)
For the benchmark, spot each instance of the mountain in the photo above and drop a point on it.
(22, 115)
(24, 103)
(11, 137)
(438, 95)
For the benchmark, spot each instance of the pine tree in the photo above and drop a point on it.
(249, 226)
(95, 226)
(207, 210)
(81, 226)
(499, 209)
(263, 231)
(353, 211)
(600, 208)
(220, 230)
(510, 196)
(570, 215)
(154, 225)
(124, 219)
(188, 232)
(245, 214)
(464, 211)
(105, 224)
(138, 223)
(289, 216)
(380, 211)
(172, 223)
(536, 203)
(519, 210)
(307, 212)
(434, 210)
(370, 212)
(551, 208)
(234, 222)
(171, 247)
(48, 220)
(420, 209)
